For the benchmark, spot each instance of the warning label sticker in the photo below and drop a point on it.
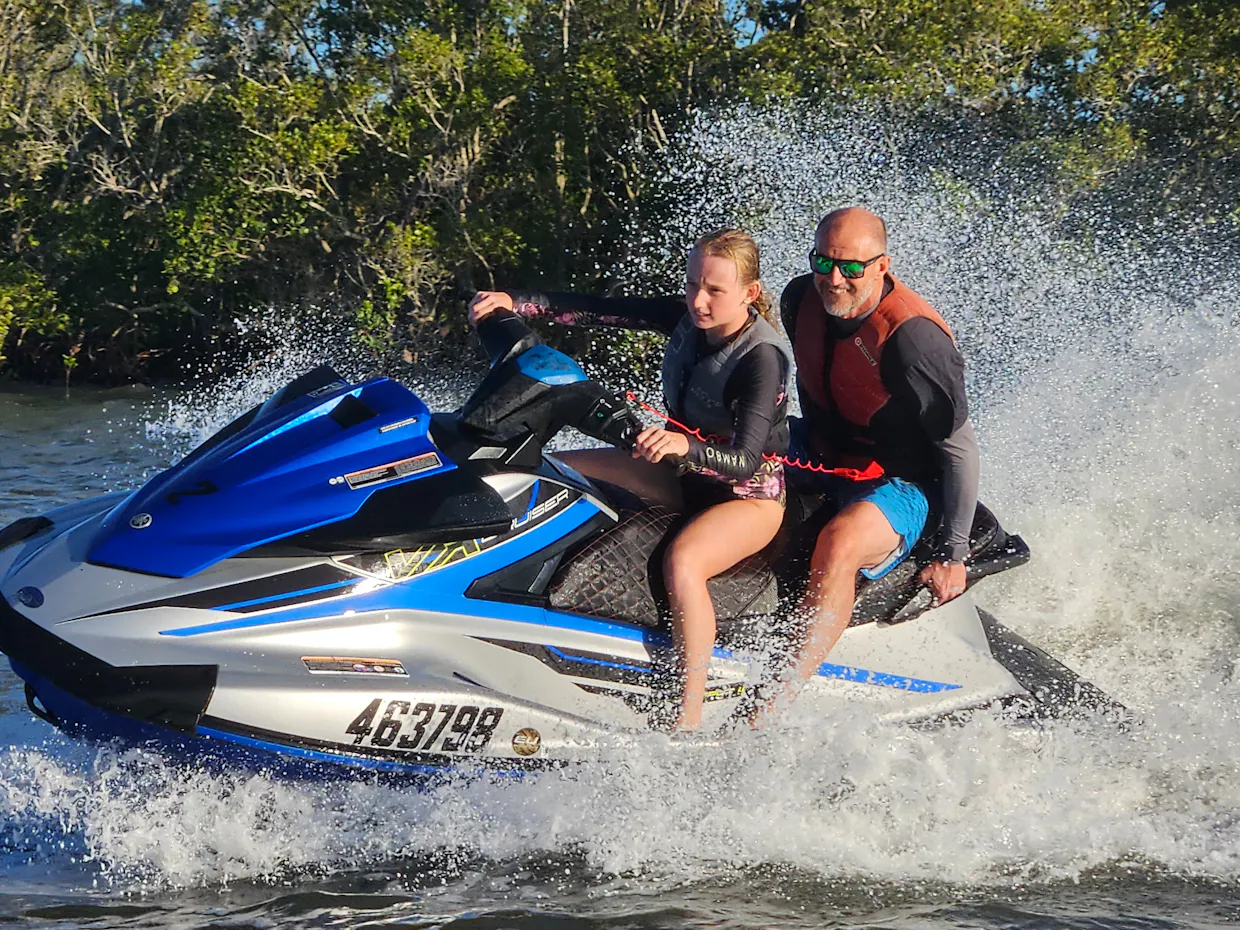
(393, 470)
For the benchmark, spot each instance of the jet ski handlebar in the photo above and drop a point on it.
(504, 336)
(533, 389)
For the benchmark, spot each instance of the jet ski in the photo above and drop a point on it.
(341, 580)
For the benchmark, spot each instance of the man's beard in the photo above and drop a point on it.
(843, 311)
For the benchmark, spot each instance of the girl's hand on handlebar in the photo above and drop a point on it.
(654, 442)
(485, 302)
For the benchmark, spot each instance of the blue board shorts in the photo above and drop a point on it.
(903, 503)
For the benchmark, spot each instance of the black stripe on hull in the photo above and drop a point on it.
(595, 666)
(644, 678)
(293, 599)
(172, 696)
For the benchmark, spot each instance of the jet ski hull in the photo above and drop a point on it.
(437, 691)
(341, 581)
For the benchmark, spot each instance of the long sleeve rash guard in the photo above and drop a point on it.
(754, 391)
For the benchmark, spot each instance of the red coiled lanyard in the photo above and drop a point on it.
(870, 473)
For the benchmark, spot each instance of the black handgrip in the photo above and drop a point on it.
(504, 336)
(609, 418)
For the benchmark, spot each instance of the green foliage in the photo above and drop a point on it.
(26, 303)
(167, 167)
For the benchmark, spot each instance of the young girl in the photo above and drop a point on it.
(724, 375)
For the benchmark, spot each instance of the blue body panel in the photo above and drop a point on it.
(545, 364)
(443, 588)
(293, 469)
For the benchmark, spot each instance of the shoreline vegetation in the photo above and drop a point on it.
(169, 170)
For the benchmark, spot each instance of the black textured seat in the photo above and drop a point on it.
(619, 575)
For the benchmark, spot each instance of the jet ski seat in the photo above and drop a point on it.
(618, 575)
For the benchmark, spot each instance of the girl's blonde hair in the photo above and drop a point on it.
(742, 251)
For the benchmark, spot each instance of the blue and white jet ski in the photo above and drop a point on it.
(342, 579)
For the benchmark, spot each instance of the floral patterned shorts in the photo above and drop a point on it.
(704, 488)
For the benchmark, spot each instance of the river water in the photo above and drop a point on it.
(1104, 381)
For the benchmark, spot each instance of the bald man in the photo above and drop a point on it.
(880, 381)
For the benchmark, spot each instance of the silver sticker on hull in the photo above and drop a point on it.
(347, 665)
(393, 470)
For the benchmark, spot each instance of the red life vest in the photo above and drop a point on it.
(843, 375)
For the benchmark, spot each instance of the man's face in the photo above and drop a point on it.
(844, 297)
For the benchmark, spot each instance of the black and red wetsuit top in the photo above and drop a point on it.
(888, 387)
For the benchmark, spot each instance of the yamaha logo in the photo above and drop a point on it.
(30, 596)
(140, 521)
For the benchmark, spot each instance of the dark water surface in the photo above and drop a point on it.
(755, 899)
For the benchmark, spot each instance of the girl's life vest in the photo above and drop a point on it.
(695, 375)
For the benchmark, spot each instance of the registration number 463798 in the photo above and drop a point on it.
(425, 726)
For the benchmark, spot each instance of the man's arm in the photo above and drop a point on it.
(961, 471)
(929, 376)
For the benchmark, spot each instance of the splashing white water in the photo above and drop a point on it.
(294, 344)
(965, 805)
(1107, 408)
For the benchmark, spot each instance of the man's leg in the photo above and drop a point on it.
(876, 530)
(859, 536)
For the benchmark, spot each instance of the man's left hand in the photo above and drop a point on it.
(944, 579)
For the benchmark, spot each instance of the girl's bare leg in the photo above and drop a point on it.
(712, 542)
(655, 484)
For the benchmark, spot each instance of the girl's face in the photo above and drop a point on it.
(717, 301)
